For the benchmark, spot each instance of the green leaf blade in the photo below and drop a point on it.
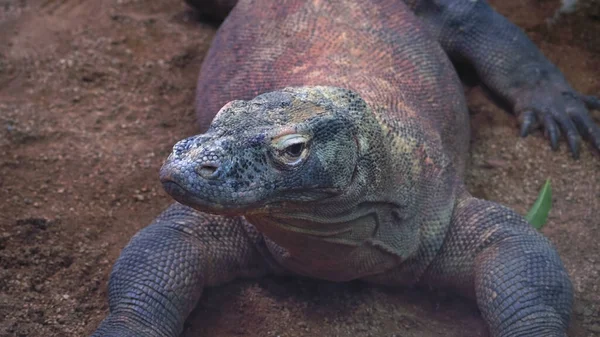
(538, 214)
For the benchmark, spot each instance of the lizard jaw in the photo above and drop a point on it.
(185, 197)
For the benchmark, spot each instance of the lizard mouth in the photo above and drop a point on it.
(177, 192)
(183, 196)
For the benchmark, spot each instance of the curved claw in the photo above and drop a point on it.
(588, 128)
(552, 131)
(529, 119)
(571, 133)
(574, 142)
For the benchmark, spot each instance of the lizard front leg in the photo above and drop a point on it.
(516, 276)
(512, 66)
(161, 273)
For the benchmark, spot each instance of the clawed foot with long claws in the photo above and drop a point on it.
(551, 103)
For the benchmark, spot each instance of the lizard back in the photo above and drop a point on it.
(381, 51)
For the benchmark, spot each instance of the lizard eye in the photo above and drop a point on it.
(291, 149)
(295, 150)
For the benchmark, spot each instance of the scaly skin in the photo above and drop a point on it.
(505, 59)
(340, 155)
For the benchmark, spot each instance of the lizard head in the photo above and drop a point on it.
(293, 147)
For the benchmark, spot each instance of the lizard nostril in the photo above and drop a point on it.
(207, 170)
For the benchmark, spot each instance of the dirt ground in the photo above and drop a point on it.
(93, 94)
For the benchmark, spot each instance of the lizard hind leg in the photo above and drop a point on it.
(516, 276)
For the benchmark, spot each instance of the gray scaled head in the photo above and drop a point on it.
(296, 146)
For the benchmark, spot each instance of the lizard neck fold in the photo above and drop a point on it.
(369, 240)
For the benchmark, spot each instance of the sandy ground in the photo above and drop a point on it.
(93, 94)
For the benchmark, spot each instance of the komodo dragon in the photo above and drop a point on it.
(338, 152)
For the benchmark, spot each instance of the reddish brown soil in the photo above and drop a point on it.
(93, 94)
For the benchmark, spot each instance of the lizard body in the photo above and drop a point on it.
(338, 152)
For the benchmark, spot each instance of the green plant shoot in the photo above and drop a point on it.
(538, 214)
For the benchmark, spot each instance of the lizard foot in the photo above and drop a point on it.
(553, 104)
